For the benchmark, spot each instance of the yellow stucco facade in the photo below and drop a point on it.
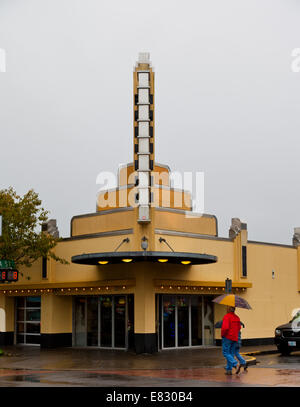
(148, 282)
(271, 285)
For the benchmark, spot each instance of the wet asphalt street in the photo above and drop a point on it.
(32, 367)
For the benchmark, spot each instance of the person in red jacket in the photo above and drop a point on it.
(231, 326)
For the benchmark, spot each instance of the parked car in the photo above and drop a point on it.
(287, 336)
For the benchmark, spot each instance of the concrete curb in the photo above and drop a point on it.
(252, 360)
(262, 352)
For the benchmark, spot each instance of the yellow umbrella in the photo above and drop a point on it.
(232, 300)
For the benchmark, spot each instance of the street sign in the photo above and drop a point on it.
(6, 264)
(228, 285)
(8, 271)
(8, 275)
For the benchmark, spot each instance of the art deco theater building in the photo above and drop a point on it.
(144, 268)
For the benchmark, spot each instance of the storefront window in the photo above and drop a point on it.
(28, 320)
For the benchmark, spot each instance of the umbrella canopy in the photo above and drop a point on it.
(232, 300)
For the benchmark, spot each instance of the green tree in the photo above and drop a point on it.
(22, 238)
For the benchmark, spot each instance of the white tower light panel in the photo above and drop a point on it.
(143, 80)
(143, 96)
(144, 196)
(144, 112)
(144, 145)
(144, 179)
(143, 129)
(144, 162)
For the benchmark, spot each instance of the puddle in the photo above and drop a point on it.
(101, 376)
(35, 379)
(23, 378)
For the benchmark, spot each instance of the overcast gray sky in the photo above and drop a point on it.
(227, 101)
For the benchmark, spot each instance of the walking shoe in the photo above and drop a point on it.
(228, 372)
(238, 369)
(245, 366)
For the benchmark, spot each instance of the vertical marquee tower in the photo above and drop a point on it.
(143, 87)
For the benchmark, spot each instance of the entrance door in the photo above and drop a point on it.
(80, 322)
(92, 321)
(208, 320)
(196, 318)
(183, 321)
(169, 311)
(106, 321)
(120, 326)
(103, 321)
(186, 321)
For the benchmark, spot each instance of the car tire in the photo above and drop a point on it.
(284, 350)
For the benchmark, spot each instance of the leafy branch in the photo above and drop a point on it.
(22, 239)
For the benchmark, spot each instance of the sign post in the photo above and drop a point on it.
(228, 285)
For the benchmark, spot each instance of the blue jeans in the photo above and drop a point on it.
(228, 349)
(237, 353)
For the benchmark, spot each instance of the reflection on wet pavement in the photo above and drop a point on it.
(192, 377)
(195, 367)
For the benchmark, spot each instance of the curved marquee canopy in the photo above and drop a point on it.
(133, 257)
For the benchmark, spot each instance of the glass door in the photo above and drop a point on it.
(130, 321)
(120, 321)
(103, 321)
(183, 321)
(80, 322)
(106, 321)
(208, 320)
(186, 321)
(168, 326)
(196, 319)
(92, 321)
(28, 320)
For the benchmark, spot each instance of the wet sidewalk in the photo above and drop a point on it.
(203, 367)
(25, 357)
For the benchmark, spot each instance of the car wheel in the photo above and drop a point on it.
(284, 350)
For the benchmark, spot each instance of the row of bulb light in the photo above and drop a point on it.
(196, 288)
(35, 291)
(65, 290)
(62, 290)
